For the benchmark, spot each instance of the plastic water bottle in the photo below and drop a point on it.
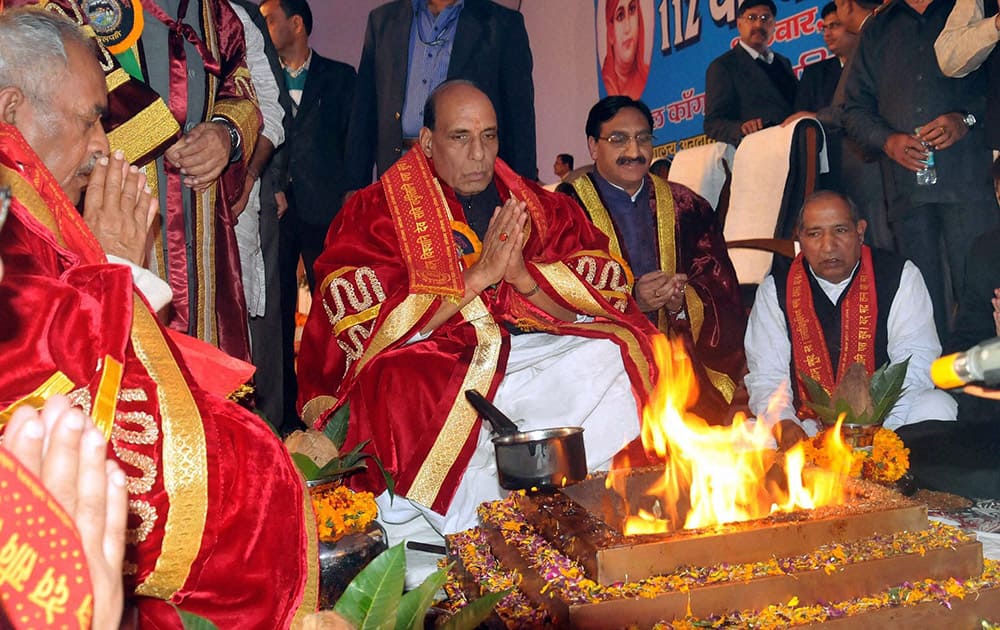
(927, 176)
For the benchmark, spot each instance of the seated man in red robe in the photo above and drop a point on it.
(209, 531)
(454, 273)
(672, 241)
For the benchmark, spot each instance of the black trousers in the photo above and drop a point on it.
(297, 238)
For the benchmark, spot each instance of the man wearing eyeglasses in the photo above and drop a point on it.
(669, 236)
(749, 87)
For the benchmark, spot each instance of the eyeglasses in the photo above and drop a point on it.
(831, 26)
(763, 19)
(621, 140)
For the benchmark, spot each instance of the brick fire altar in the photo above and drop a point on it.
(572, 566)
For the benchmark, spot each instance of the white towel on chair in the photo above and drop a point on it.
(760, 170)
(701, 169)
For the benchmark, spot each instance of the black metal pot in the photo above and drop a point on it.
(545, 458)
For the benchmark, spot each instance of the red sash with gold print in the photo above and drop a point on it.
(858, 317)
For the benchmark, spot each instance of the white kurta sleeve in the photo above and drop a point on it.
(966, 40)
(156, 291)
(264, 83)
(912, 334)
(769, 355)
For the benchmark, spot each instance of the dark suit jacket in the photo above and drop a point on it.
(490, 49)
(315, 145)
(737, 89)
(817, 85)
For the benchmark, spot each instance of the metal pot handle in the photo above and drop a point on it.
(502, 425)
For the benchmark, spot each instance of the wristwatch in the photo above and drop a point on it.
(969, 120)
(234, 137)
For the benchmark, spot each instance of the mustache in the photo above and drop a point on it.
(88, 168)
(623, 161)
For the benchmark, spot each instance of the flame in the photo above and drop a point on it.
(722, 474)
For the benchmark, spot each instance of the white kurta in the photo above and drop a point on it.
(911, 334)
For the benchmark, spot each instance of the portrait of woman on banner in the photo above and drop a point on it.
(625, 46)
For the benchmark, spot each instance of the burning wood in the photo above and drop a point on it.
(721, 474)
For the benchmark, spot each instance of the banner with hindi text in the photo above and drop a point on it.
(672, 42)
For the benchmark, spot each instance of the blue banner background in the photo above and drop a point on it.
(698, 31)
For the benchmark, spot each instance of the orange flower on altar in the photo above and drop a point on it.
(341, 511)
(886, 462)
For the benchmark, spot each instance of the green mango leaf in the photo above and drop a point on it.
(191, 621)
(475, 612)
(336, 428)
(345, 461)
(414, 605)
(887, 388)
(843, 408)
(390, 483)
(307, 466)
(372, 598)
(816, 392)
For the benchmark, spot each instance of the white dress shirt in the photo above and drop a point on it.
(911, 334)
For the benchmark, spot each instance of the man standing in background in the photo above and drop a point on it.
(899, 103)
(749, 87)
(563, 165)
(321, 90)
(411, 47)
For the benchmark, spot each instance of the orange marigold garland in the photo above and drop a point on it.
(886, 461)
(341, 511)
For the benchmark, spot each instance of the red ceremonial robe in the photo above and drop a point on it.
(220, 523)
(390, 259)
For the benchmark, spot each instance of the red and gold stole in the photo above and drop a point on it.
(858, 317)
(423, 224)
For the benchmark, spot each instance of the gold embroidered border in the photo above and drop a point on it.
(242, 112)
(333, 275)
(571, 288)
(666, 225)
(358, 318)
(106, 400)
(58, 383)
(598, 213)
(116, 78)
(695, 311)
(310, 592)
(722, 382)
(145, 131)
(462, 417)
(400, 321)
(25, 193)
(205, 317)
(185, 462)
